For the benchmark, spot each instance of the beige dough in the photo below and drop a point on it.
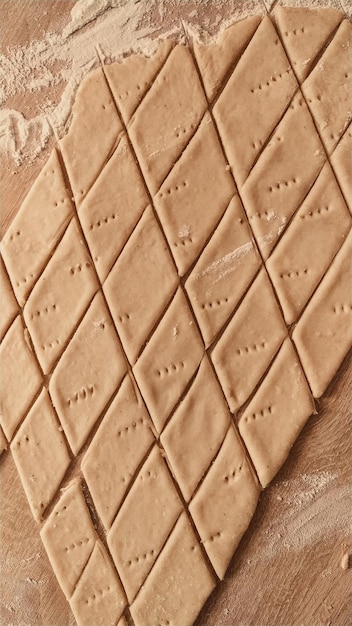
(274, 414)
(8, 303)
(122, 441)
(176, 293)
(40, 470)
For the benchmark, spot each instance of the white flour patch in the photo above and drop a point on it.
(227, 263)
(184, 232)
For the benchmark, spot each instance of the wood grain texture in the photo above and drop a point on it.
(287, 570)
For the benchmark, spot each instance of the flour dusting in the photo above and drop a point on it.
(226, 264)
(98, 31)
(318, 507)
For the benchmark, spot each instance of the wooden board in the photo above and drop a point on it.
(287, 570)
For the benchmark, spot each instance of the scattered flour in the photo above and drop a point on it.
(317, 507)
(226, 264)
(99, 31)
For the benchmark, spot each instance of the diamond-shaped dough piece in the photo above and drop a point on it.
(129, 81)
(249, 342)
(195, 195)
(282, 175)
(143, 523)
(169, 360)
(304, 33)
(8, 303)
(341, 161)
(20, 378)
(87, 374)
(113, 207)
(119, 446)
(37, 228)
(223, 272)
(141, 284)
(196, 430)
(216, 59)
(277, 413)
(304, 254)
(98, 597)
(328, 88)
(180, 578)
(94, 114)
(225, 502)
(254, 99)
(40, 454)
(323, 334)
(69, 537)
(60, 297)
(168, 116)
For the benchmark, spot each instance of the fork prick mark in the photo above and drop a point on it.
(169, 370)
(82, 394)
(259, 414)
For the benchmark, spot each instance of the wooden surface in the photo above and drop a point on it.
(287, 570)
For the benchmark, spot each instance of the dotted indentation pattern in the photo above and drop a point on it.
(176, 372)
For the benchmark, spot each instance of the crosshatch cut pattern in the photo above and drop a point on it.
(171, 283)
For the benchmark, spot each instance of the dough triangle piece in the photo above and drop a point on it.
(341, 160)
(225, 502)
(129, 81)
(327, 89)
(323, 334)
(304, 33)
(274, 415)
(215, 59)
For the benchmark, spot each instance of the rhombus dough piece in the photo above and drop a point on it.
(225, 502)
(129, 81)
(175, 103)
(275, 416)
(169, 360)
(282, 175)
(323, 334)
(315, 235)
(180, 579)
(41, 455)
(341, 161)
(60, 297)
(94, 114)
(36, 228)
(119, 446)
(113, 207)
(249, 342)
(304, 33)
(254, 99)
(141, 284)
(87, 374)
(8, 303)
(194, 196)
(98, 599)
(216, 59)
(69, 537)
(328, 88)
(196, 430)
(223, 272)
(144, 523)
(20, 378)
